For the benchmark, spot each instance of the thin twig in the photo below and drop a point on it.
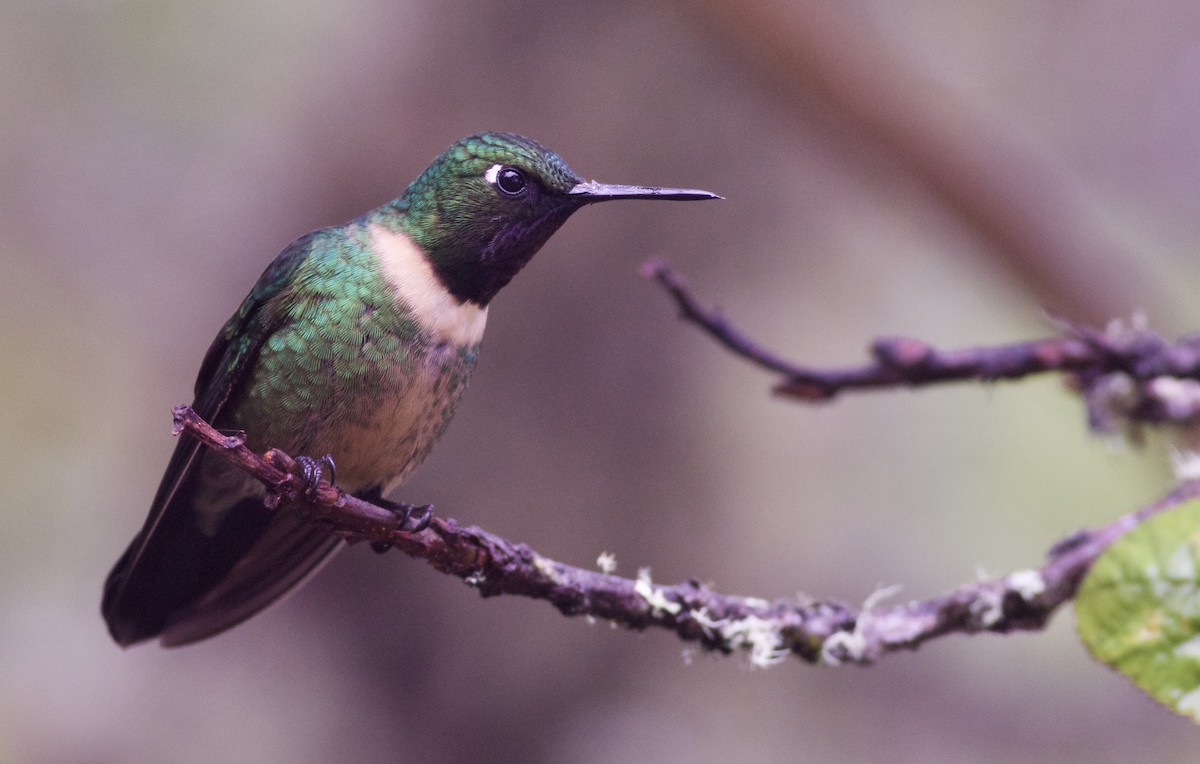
(1126, 373)
(816, 631)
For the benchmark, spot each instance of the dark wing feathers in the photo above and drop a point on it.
(178, 582)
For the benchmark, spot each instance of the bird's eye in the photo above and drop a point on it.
(510, 181)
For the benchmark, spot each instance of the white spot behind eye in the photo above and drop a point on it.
(492, 173)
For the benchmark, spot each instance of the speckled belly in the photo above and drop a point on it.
(377, 416)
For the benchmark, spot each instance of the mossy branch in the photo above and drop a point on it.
(815, 631)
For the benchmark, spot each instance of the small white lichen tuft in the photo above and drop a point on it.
(654, 597)
(474, 580)
(852, 646)
(548, 569)
(1027, 583)
(758, 636)
(1112, 397)
(607, 562)
(709, 624)
(842, 646)
(875, 598)
(988, 609)
(1180, 397)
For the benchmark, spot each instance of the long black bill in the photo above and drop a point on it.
(590, 191)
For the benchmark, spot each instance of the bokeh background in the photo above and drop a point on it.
(926, 167)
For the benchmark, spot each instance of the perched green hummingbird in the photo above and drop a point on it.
(357, 342)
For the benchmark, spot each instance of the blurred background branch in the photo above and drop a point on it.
(976, 163)
(1126, 374)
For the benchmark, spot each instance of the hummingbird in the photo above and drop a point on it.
(357, 342)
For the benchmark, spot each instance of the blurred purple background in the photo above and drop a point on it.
(937, 169)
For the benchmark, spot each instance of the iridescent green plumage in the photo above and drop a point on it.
(460, 228)
(357, 341)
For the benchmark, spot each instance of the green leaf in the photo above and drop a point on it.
(1138, 609)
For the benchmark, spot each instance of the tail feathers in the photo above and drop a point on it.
(182, 585)
(127, 628)
(288, 552)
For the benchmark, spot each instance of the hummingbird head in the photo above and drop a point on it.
(490, 201)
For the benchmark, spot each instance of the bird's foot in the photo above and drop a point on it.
(311, 470)
(233, 438)
(413, 518)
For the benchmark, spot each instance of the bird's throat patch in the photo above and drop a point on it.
(406, 268)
